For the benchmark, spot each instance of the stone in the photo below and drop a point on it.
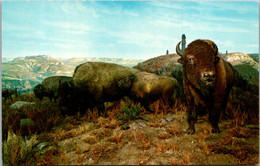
(169, 152)
(43, 145)
(169, 117)
(90, 161)
(27, 122)
(19, 104)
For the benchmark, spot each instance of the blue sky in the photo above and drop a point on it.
(125, 29)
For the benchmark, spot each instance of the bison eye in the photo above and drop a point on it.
(191, 61)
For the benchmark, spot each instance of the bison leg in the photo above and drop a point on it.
(101, 108)
(146, 103)
(192, 118)
(213, 119)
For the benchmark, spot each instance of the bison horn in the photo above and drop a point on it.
(215, 48)
(69, 85)
(179, 51)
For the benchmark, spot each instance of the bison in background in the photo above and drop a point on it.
(97, 82)
(207, 80)
(50, 86)
(7, 93)
(148, 87)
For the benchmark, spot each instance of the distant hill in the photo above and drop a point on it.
(241, 58)
(26, 72)
(161, 65)
(120, 61)
(255, 57)
(167, 64)
(249, 73)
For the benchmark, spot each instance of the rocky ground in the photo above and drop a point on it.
(152, 140)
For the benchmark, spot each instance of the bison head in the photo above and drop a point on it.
(38, 91)
(199, 60)
(65, 90)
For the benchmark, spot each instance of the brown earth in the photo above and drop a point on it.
(153, 140)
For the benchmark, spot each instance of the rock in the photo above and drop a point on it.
(138, 125)
(25, 123)
(68, 145)
(19, 104)
(169, 117)
(90, 161)
(169, 152)
(250, 126)
(43, 145)
(125, 127)
(162, 121)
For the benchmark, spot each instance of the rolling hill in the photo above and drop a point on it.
(24, 73)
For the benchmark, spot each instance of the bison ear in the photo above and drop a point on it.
(215, 48)
(216, 60)
(181, 60)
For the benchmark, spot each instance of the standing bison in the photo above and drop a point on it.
(50, 86)
(7, 93)
(148, 87)
(97, 82)
(207, 80)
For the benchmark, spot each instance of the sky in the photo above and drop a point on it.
(125, 29)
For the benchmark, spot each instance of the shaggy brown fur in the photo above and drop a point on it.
(97, 82)
(49, 87)
(148, 87)
(207, 80)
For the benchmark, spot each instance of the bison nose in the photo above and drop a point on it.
(208, 76)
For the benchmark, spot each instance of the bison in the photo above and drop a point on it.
(207, 80)
(148, 87)
(7, 93)
(97, 82)
(49, 87)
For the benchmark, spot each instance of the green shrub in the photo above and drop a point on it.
(131, 112)
(178, 75)
(44, 114)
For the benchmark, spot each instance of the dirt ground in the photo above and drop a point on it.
(152, 140)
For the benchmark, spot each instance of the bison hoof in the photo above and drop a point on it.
(215, 130)
(190, 131)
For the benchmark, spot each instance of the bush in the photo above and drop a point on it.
(18, 151)
(44, 114)
(131, 112)
(178, 75)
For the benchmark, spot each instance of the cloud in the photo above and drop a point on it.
(69, 25)
(6, 26)
(239, 7)
(78, 9)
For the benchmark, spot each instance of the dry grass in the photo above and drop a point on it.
(164, 136)
(18, 151)
(143, 160)
(116, 138)
(206, 149)
(156, 124)
(174, 130)
(163, 147)
(202, 137)
(144, 142)
(101, 133)
(175, 161)
(108, 123)
(104, 150)
(90, 139)
(186, 157)
(234, 144)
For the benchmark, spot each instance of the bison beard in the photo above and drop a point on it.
(207, 80)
